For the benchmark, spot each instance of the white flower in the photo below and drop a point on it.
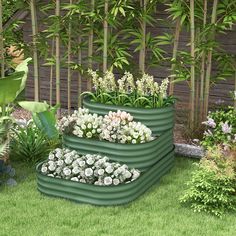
(74, 179)
(52, 167)
(109, 169)
(101, 172)
(127, 174)
(82, 163)
(68, 160)
(51, 157)
(107, 180)
(75, 170)
(66, 171)
(44, 169)
(60, 162)
(88, 172)
(90, 161)
(116, 181)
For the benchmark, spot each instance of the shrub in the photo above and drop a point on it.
(221, 129)
(213, 185)
(29, 144)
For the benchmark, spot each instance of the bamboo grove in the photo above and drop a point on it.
(113, 35)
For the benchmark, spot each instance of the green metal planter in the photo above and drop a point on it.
(141, 156)
(158, 120)
(104, 195)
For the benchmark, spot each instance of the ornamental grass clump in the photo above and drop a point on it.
(116, 127)
(90, 169)
(220, 129)
(143, 92)
(212, 188)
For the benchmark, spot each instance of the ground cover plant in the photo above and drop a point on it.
(151, 214)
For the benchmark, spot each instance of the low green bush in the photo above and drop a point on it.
(30, 144)
(212, 188)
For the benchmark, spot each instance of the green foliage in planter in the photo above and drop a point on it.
(212, 188)
(30, 144)
(221, 128)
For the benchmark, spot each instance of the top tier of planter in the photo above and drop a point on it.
(158, 120)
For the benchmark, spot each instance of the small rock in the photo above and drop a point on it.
(189, 150)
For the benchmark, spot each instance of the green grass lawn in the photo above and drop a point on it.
(24, 211)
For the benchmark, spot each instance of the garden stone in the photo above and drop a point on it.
(189, 150)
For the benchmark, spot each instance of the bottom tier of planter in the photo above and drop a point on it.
(104, 195)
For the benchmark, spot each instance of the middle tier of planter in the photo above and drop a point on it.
(141, 156)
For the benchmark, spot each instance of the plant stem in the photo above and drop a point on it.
(79, 73)
(51, 75)
(202, 73)
(174, 56)
(90, 48)
(105, 36)
(142, 53)
(35, 51)
(209, 62)
(58, 77)
(69, 68)
(192, 79)
(1, 42)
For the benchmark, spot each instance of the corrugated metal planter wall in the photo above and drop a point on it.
(141, 156)
(158, 120)
(104, 195)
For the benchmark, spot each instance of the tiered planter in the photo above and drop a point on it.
(141, 156)
(158, 120)
(104, 195)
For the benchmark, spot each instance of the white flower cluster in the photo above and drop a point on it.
(126, 83)
(120, 127)
(88, 126)
(107, 83)
(91, 169)
(114, 127)
(66, 124)
(144, 86)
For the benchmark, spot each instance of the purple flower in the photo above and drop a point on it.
(226, 129)
(208, 133)
(210, 122)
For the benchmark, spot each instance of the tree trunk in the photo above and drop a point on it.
(90, 49)
(174, 56)
(234, 91)
(51, 76)
(58, 76)
(35, 51)
(1, 42)
(209, 62)
(192, 80)
(105, 39)
(79, 73)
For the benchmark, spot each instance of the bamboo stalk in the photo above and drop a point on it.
(203, 64)
(57, 41)
(105, 36)
(79, 73)
(1, 42)
(209, 63)
(142, 53)
(174, 55)
(234, 91)
(90, 48)
(69, 74)
(192, 80)
(35, 51)
(51, 76)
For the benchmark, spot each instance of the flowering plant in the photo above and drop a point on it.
(221, 128)
(114, 127)
(143, 92)
(91, 169)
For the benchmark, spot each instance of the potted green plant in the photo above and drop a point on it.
(115, 135)
(92, 179)
(144, 99)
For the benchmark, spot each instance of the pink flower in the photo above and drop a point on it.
(226, 129)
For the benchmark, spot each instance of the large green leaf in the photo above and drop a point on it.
(34, 107)
(48, 123)
(9, 87)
